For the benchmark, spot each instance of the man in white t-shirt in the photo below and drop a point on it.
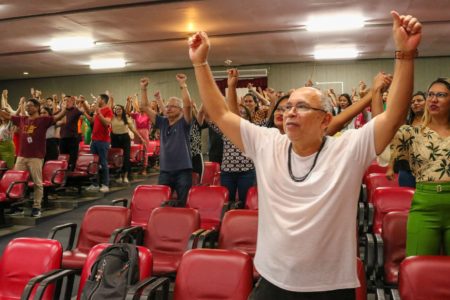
(308, 184)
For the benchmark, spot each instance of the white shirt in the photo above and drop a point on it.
(307, 230)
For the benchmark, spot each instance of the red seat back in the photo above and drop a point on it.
(115, 158)
(394, 237)
(387, 199)
(211, 173)
(11, 176)
(425, 277)
(209, 201)
(252, 198)
(136, 153)
(98, 224)
(373, 168)
(85, 161)
(239, 231)
(25, 258)
(63, 157)
(214, 274)
(145, 264)
(152, 148)
(376, 180)
(145, 199)
(49, 169)
(169, 229)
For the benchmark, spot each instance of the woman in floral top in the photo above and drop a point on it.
(427, 149)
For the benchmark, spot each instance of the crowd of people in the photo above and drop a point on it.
(305, 149)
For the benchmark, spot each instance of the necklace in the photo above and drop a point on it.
(301, 179)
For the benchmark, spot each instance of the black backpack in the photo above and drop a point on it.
(113, 272)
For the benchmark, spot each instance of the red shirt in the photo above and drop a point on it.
(32, 135)
(101, 132)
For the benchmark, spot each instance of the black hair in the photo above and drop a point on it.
(271, 121)
(349, 101)
(104, 97)
(124, 115)
(411, 114)
(48, 110)
(35, 102)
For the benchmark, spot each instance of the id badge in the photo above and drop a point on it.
(29, 140)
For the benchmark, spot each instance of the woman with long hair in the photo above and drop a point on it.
(427, 149)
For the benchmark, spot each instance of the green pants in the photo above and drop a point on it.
(7, 153)
(428, 231)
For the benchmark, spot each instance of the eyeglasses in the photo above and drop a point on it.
(172, 106)
(300, 107)
(439, 95)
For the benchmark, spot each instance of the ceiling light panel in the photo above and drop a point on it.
(71, 44)
(335, 23)
(107, 64)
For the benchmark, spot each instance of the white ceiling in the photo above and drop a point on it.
(152, 35)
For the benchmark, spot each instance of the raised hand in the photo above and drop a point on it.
(157, 95)
(144, 82)
(5, 93)
(406, 31)
(233, 77)
(199, 48)
(382, 81)
(181, 78)
(309, 83)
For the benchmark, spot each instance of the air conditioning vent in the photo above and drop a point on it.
(244, 73)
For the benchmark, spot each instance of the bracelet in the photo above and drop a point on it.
(406, 54)
(200, 64)
(183, 86)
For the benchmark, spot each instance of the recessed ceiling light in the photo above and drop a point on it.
(107, 63)
(71, 44)
(335, 23)
(26, 73)
(336, 53)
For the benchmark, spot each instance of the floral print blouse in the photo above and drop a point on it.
(426, 151)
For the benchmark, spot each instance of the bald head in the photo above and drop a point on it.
(313, 96)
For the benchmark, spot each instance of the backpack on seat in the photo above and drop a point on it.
(113, 272)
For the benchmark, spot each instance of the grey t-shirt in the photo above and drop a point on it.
(175, 151)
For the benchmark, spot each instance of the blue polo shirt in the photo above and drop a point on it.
(175, 148)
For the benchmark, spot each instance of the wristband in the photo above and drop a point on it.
(183, 86)
(406, 54)
(200, 64)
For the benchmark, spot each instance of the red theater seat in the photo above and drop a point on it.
(211, 173)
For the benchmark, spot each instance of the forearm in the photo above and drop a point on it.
(144, 97)
(377, 102)
(187, 105)
(232, 99)
(59, 115)
(105, 121)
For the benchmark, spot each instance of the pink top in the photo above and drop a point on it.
(142, 121)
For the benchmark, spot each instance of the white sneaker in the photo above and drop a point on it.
(92, 188)
(104, 189)
(119, 180)
(125, 180)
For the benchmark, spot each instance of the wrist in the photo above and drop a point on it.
(406, 54)
(200, 64)
(183, 86)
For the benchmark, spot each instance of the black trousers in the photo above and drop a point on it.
(70, 146)
(265, 290)
(123, 141)
(51, 149)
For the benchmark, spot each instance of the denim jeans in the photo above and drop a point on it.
(101, 149)
(240, 181)
(180, 181)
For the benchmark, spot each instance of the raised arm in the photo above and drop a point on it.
(128, 105)
(407, 32)
(160, 102)
(187, 106)
(144, 100)
(60, 114)
(233, 78)
(210, 94)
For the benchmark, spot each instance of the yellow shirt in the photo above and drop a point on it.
(119, 127)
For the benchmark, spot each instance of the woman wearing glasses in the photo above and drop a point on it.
(427, 149)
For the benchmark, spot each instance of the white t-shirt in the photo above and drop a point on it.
(307, 230)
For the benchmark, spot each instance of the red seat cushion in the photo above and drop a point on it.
(74, 259)
(165, 262)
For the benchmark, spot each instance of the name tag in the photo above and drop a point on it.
(29, 140)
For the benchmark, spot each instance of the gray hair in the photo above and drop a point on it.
(178, 100)
(325, 103)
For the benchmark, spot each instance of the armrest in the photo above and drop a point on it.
(369, 254)
(363, 193)
(33, 281)
(150, 285)
(370, 215)
(11, 186)
(379, 264)
(123, 201)
(50, 279)
(395, 295)
(73, 229)
(207, 239)
(194, 238)
(134, 232)
(116, 233)
(361, 210)
(380, 294)
(91, 165)
(150, 291)
(55, 173)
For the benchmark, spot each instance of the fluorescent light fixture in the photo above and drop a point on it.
(26, 73)
(108, 63)
(335, 23)
(71, 44)
(336, 53)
